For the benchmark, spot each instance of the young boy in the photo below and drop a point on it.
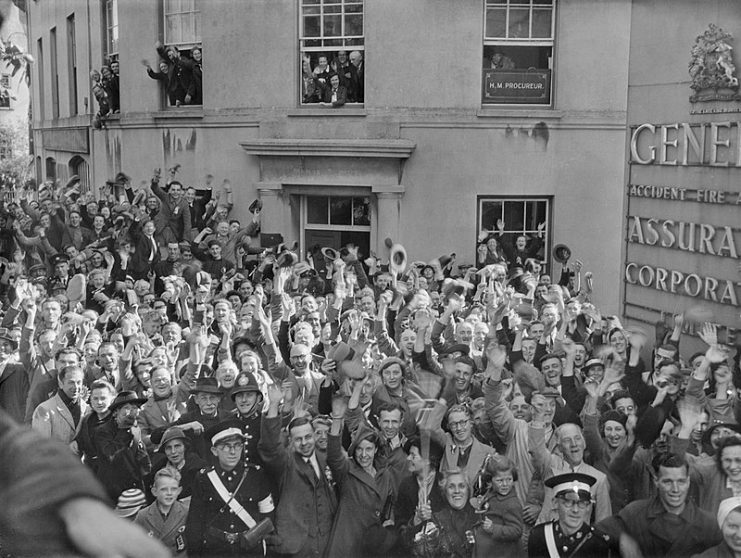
(165, 518)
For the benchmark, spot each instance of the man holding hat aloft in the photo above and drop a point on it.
(571, 535)
(231, 507)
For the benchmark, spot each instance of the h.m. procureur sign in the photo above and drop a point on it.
(517, 86)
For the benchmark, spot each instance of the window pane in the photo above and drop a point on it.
(311, 10)
(333, 26)
(316, 210)
(353, 25)
(549, 2)
(311, 26)
(335, 9)
(361, 211)
(490, 212)
(542, 23)
(172, 29)
(197, 27)
(172, 6)
(496, 23)
(340, 211)
(188, 32)
(353, 8)
(519, 23)
(306, 2)
(513, 216)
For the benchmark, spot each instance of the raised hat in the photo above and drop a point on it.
(330, 253)
(287, 259)
(207, 385)
(127, 397)
(130, 502)
(561, 253)
(255, 206)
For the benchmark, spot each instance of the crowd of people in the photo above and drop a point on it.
(333, 82)
(237, 400)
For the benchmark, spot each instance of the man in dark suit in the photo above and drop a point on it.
(307, 501)
(197, 201)
(146, 251)
(356, 59)
(174, 210)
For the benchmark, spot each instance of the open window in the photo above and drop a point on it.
(518, 52)
(331, 42)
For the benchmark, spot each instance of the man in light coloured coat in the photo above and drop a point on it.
(60, 417)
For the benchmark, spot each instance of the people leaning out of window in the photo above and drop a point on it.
(318, 85)
(181, 73)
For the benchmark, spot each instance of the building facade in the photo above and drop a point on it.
(462, 113)
(683, 186)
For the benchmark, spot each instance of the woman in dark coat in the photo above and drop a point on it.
(366, 494)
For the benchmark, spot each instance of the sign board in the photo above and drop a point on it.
(517, 86)
(682, 234)
(72, 140)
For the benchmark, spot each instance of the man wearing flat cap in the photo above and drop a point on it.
(571, 535)
(231, 508)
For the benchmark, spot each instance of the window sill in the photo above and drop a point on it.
(354, 109)
(180, 112)
(520, 111)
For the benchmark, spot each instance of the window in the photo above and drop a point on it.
(182, 23)
(335, 221)
(518, 52)
(520, 216)
(331, 41)
(72, 64)
(54, 73)
(110, 16)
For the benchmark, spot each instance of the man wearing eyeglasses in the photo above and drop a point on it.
(462, 450)
(571, 534)
(231, 501)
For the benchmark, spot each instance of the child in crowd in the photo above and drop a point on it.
(165, 518)
(501, 528)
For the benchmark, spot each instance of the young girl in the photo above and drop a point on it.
(500, 529)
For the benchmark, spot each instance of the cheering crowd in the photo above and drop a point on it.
(237, 400)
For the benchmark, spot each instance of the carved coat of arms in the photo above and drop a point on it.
(711, 67)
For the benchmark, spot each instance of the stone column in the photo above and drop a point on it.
(388, 220)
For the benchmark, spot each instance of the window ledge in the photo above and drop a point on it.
(346, 110)
(524, 112)
(180, 112)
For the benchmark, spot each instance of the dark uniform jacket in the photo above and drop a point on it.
(212, 523)
(587, 542)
